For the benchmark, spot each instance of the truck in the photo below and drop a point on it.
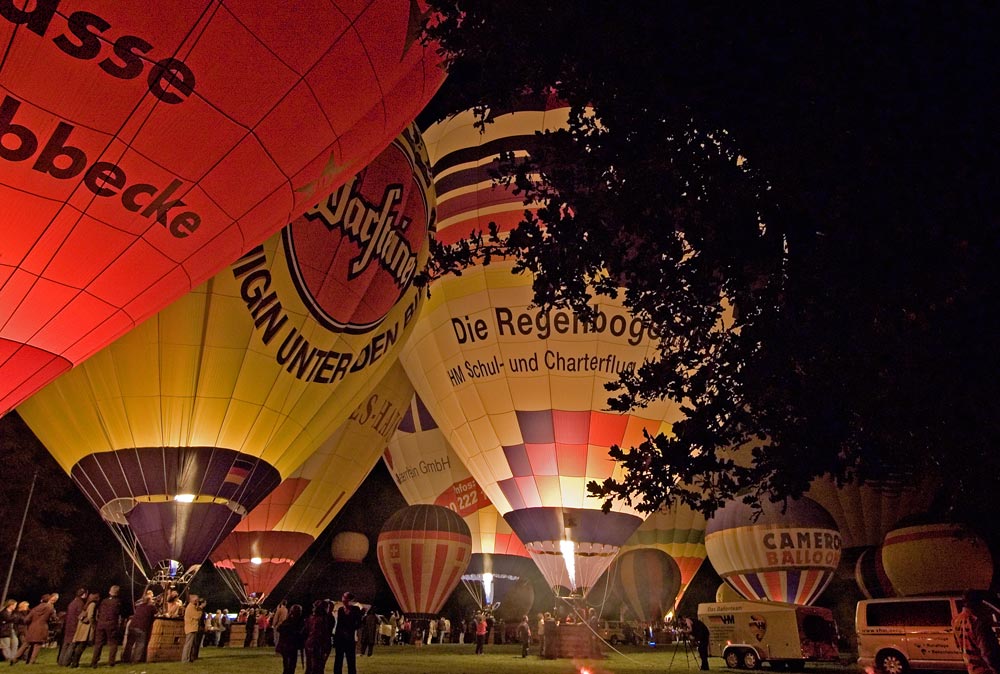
(747, 633)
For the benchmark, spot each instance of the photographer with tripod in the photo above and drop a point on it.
(699, 635)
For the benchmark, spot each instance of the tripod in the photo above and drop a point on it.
(685, 640)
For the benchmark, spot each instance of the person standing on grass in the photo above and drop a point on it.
(524, 636)
(73, 612)
(481, 628)
(289, 636)
(38, 628)
(344, 636)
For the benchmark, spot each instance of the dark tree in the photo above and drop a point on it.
(797, 196)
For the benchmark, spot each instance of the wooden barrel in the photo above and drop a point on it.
(166, 641)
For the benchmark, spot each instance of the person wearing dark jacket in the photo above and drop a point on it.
(8, 630)
(524, 636)
(369, 632)
(348, 624)
(38, 627)
(251, 621)
(290, 635)
(699, 634)
(84, 633)
(108, 628)
(73, 612)
(317, 644)
(139, 629)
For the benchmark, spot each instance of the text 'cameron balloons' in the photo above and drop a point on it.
(649, 581)
(679, 531)
(423, 551)
(143, 146)
(427, 471)
(936, 558)
(519, 392)
(182, 426)
(258, 553)
(785, 556)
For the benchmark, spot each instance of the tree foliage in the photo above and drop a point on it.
(796, 196)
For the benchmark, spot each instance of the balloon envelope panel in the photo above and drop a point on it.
(145, 147)
(679, 531)
(650, 580)
(244, 375)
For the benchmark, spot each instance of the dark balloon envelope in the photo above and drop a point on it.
(145, 145)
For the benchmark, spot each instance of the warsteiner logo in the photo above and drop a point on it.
(354, 254)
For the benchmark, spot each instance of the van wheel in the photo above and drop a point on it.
(750, 659)
(614, 640)
(732, 658)
(891, 662)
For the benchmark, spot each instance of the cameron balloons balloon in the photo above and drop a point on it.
(182, 426)
(786, 554)
(267, 542)
(924, 556)
(519, 392)
(427, 471)
(677, 530)
(866, 512)
(143, 146)
(423, 551)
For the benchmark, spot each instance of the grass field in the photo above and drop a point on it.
(450, 659)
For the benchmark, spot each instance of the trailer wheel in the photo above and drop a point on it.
(891, 662)
(750, 659)
(732, 658)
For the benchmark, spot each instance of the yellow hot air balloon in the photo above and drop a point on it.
(519, 392)
(428, 472)
(927, 556)
(268, 541)
(182, 426)
(349, 546)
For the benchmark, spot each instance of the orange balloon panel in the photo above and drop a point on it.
(145, 145)
(279, 530)
(678, 531)
(234, 386)
(423, 551)
(427, 471)
(936, 558)
(866, 512)
(518, 392)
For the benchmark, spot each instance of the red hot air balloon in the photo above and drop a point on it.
(143, 146)
(786, 554)
(423, 551)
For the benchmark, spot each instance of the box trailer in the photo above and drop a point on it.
(746, 633)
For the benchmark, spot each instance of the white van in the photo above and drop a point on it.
(896, 635)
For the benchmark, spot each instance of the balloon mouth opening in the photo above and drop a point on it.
(256, 561)
(184, 498)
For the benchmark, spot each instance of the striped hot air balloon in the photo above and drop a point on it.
(786, 555)
(650, 580)
(423, 551)
(427, 471)
(520, 392)
(147, 145)
(180, 428)
(678, 531)
(267, 542)
(869, 574)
